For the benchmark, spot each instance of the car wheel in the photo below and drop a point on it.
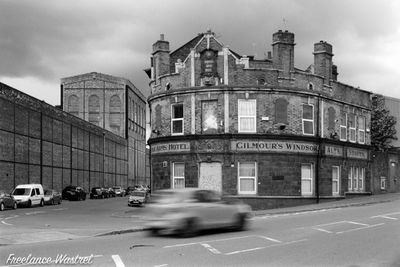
(41, 203)
(52, 201)
(59, 201)
(15, 206)
(190, 228)
(240, 223)
(1, 206)
(29, 204)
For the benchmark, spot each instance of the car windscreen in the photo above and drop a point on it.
(22, 192)
(138, 194)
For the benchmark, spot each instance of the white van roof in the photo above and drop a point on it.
(28, 185)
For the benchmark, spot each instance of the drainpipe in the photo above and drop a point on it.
(319, 154)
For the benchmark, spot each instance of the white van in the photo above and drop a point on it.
(29, 195)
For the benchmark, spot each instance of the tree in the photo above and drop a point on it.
(382, 125)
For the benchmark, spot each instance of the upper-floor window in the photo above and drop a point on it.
(361, 130)
(343, 126)
(331, 118)
(94, 109)
(73, 105)
(247, 115)
(308, 119)
(352, 127)
(281, 105)
(177, 119)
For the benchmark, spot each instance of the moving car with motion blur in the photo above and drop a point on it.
(52, 197)
(137, 198)
(187, 211)
(7, 201)
(73, 192)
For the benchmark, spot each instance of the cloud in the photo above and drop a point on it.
(48, 40)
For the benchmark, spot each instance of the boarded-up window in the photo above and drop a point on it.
(281, 105)
(115, 113)
(94, 109)
(331, 118)
(209, 117)
(73, 105)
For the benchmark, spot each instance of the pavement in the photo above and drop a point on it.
(130, 220)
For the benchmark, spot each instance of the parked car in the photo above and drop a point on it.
(52, 197)
(119, 191)
(111, 192)
(7, 201)
(141, 188)
(98, 192)
(29, 195)
(129, 190)
(137, 198)
(187, 211)
(72, 192)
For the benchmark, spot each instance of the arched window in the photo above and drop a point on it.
(73, 105)
(94, 109)
(310, 86)
(281, 110)
(115, 113)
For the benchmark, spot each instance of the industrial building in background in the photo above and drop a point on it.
(116, 105)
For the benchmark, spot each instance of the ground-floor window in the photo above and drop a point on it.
(356, 179)
(307, 179)
(247, 177)
(335, 180)
(178, 175)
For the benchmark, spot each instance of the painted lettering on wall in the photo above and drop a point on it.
(333, 151)
(274, 146)
(170, 147)
(357, 153)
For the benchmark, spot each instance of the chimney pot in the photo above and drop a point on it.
(162, 37)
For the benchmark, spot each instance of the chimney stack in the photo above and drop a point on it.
(161, 57)
(283, 51)
(323, 61)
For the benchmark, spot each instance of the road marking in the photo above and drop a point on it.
(295, 213)
(117, 260)
(363, 224)
(270, 239)
(258, 248)
(207, 241)
(360, 228)
(60, 209)
(34, 212)
(387, 216)
(162, 265)
(323, 230)
(3, 221)
(210, 248)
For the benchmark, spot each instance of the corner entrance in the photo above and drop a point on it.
(210, 176)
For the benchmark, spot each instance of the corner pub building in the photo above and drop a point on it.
(256, 129)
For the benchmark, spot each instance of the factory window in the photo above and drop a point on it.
(73, 105)
(177, 119)
(178, 175)
(352, 127)
(247, 177)
(383, 183)
(307, 179)
(308, 119)
(94, 109)
(115, 114)
(343, 126)
(356, 179)
(247, 115)
(281, 105)
(361, 130)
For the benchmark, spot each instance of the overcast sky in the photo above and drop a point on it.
(42, 41)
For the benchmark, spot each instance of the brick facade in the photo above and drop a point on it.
(260, 130)
(42, 144)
